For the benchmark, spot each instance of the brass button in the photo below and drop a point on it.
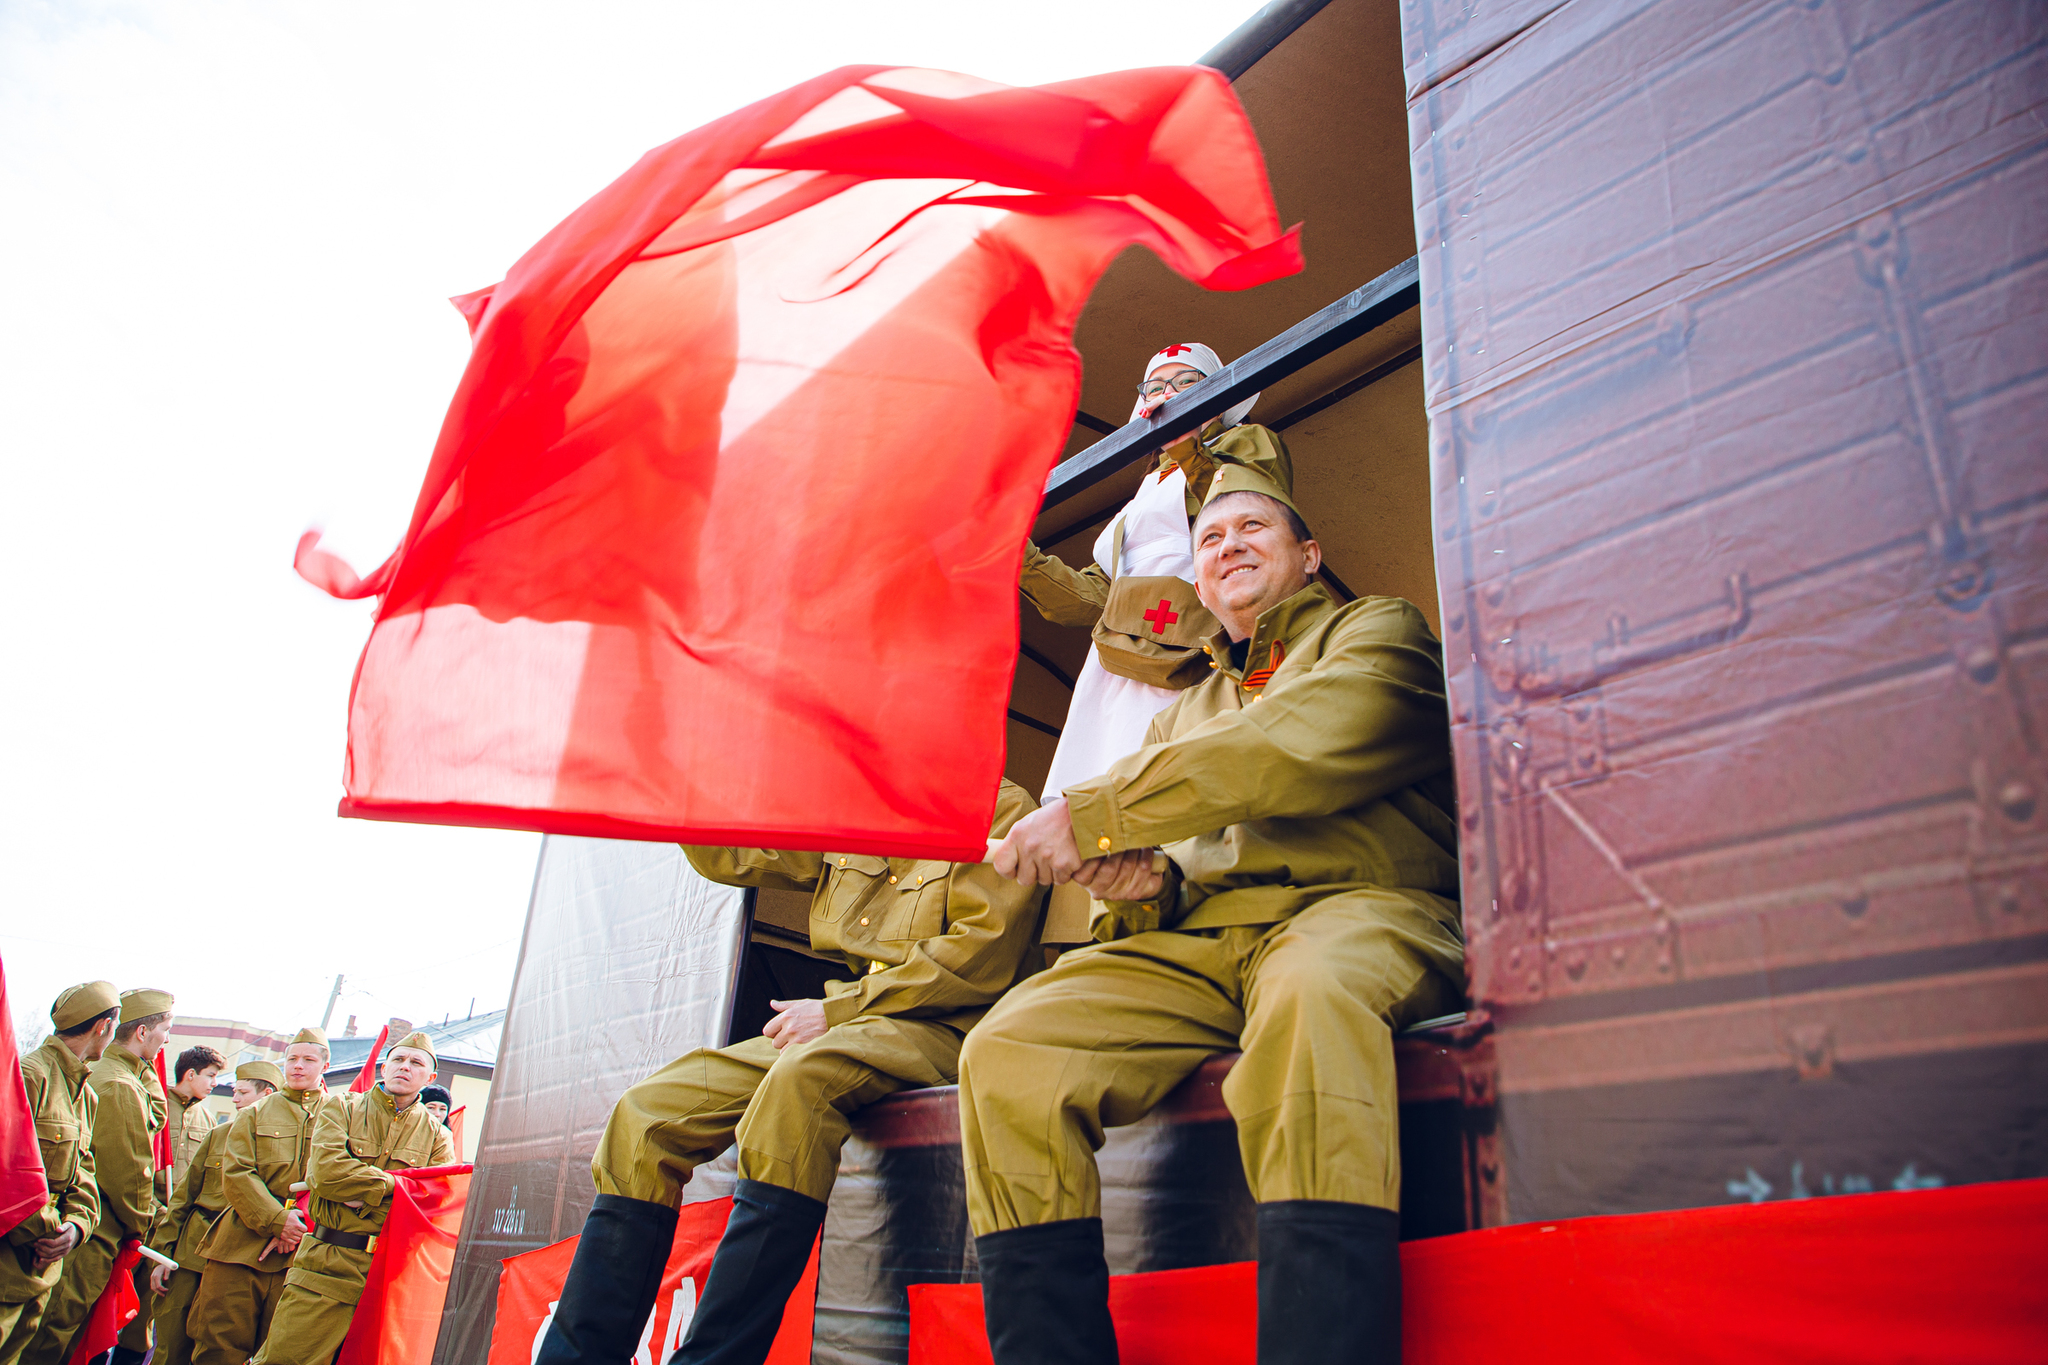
(1103, 843)
(918, 882)
(863, 919)
(892, 879)
(842, 862)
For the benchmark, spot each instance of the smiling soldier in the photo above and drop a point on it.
(1277, 869)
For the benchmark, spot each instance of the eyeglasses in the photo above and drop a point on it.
(1159, 388)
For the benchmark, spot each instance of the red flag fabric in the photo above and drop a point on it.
(367, 1077)
(115, 1308)
(531, 1285)
(22, 1187)
(455, 1126)
(720, 538)
(161, 1156)
(399, 1314)
(1927, 1275)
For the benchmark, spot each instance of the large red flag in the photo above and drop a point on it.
(367, 1077)
(399, 1314)
(22, 1187)
(720, 538)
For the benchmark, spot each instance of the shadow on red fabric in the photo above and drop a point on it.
(22, 1187)
(532, 1283)
(720, 539)
(115, 1308)
(399, 1315)
(1928, 1275)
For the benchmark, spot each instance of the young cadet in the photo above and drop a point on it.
(250, 1247)
(935, 944)
(357, 1141)
(1278, 867)
(196, 1201)
(192, 1080)
(82, 1023)
(126, 1119)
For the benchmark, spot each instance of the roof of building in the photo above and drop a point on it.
(473, 1040)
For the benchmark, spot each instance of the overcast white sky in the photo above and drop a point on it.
(229, 234)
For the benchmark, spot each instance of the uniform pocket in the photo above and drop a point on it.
(917, 909)
(277, 1146)
(854, 878)
(59, 1143)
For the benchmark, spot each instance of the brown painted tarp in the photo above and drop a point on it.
(1737, 369)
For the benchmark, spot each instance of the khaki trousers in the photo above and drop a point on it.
(319, 1299)
(77, 1290)
(169, 1320)
(786, 1108)
(1099, 1038)
(18, 1324)
(231, 1312)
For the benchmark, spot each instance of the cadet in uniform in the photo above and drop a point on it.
(82, 1022)
(356, 1140)
(187, 1121)
(127, 1117)
(936, 943)
(1278, 868)
(263, 1154)
(196, 1202)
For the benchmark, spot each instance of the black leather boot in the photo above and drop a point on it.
(1329, 1284)
(1045, 1294)
(753, 1272)
(612, 1283)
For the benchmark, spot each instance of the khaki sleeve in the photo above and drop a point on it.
(164, 1236)
(1064, 595)
(1365, 720)
(332, 1171)
(768, 868)
(259, 1210)
(81, 1203)
(121, 1159)
(991, 923)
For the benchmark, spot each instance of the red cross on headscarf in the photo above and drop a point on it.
(1178, 349)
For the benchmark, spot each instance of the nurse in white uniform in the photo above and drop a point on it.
(1109, 713)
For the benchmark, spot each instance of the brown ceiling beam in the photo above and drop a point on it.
(1345, 390)
(1307, 341)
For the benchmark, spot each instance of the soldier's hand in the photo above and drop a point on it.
(1039, 849)
(795, 1021)
(1133, 875)
(56, 1248)
(294, 1230)
(159, 1279)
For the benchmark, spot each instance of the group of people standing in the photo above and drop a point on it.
(1254, 785)
(262, 1227)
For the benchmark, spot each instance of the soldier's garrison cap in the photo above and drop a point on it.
(1238, 478)
(76, 1004)
(261, 1071)
(418, 1041)
(143, 1002)
(312, 1035)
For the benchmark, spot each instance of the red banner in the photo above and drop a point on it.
(740, 471)
(160, 1145)
(367, 1077)
(1932, 1275)
(22, 1187)
(399, 1314)
(532, 1283)
(115, 1308)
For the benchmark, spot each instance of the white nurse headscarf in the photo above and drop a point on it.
(1203, 359)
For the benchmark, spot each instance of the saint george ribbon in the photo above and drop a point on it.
(720, 538)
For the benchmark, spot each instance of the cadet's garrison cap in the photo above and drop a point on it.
(81, 1002)
(1239, 478)
(141, 1003)
(312, 1035)
(419, 1042)
(261, 1071)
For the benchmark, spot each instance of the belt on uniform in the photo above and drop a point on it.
(353, 1241)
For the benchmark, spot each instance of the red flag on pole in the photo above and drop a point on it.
(367, 1077)
(720, 538)
(160, 1146)
(455, 1127)
(22, 1188)
(115, 1308)
(396, 1319)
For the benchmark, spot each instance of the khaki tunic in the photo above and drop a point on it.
(63, 1106)
(1305, 800)
(356, 1139)
(196, 1202)
(189, 1121)
(934, 945)
(1067, 596)
(125, 1123)
(264, 1151)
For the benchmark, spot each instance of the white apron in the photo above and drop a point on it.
(1109, 715)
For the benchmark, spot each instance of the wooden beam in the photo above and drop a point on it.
(1307, 341)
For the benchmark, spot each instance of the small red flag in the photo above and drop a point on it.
(720, 538)
(115, 1308)
(22, 1187)
(455, 1128)
(367, 1077)
(160, 1145)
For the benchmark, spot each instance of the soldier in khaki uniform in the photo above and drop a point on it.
(197, 1200)
(933, 944)
(186, 1114)
(128, 1116)
(1278, 871)
(250, 1247)
(356, 1140)
(83, 1021)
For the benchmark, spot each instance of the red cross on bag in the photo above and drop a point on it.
(1162, 616)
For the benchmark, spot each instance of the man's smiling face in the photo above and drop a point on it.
(1247, 559)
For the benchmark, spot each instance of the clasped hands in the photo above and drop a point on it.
(1040, 851)
(55, 1248)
